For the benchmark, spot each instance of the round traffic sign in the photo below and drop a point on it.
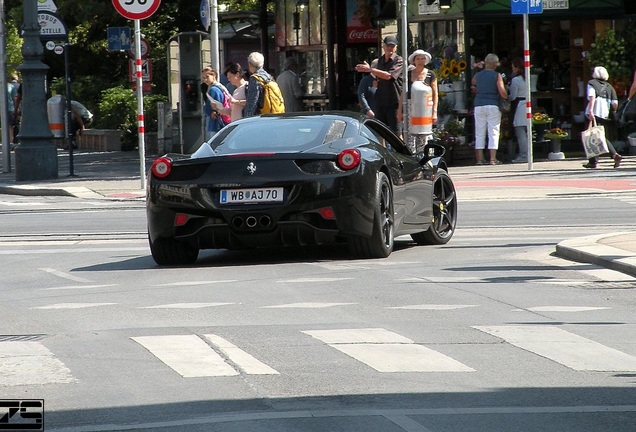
(136, 9)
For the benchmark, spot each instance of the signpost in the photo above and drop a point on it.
(137, 10)
(525, 7)
(53, 30)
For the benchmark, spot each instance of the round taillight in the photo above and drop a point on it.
(161, 167)
(349, 159)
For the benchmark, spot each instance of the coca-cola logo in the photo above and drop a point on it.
(363, 34)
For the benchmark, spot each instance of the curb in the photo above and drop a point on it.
(590, 250)
(69, 191)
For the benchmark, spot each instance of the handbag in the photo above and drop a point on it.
(505, 106)
(594, 141)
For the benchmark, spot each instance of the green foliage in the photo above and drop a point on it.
(609, 50)
(118, 110)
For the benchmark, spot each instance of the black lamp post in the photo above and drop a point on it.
(36, 155)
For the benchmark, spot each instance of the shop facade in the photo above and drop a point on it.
(329, 37)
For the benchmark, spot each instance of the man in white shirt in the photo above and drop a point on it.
(289, 84)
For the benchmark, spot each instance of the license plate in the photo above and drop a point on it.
(251, 196)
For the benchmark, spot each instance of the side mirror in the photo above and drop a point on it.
(432, 151)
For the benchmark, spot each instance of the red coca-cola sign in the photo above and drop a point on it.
(362, 35)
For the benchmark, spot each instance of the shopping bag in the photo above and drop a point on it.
(594, 141)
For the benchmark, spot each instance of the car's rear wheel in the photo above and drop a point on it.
(444, 212)
(380, 244)
(168, 251)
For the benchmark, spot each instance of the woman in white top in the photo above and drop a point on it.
(518, 93)
(602, 102)
(236, 76)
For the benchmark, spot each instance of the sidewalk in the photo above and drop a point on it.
(117, 176)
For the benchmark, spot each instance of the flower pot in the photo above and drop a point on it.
(540, 129)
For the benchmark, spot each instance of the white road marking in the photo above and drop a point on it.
(360, 265)
(188, 355)
(65, 275)
(433, 307)
(31, 363)
(74, 287)
(560, 309)
(563, 347)
(185, 305)
(317, 279)
(57, 251)
(23, 204)
(439, 279)
(386, 351)
(72, 305)
(306, 305)
(196, 283)
(572, 282)
(609, 275)
(243, 360)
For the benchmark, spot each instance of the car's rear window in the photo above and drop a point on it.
(278, 135)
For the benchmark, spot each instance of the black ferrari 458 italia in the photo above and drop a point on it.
(299, 179)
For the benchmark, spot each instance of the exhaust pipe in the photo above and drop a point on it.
(251, 221)
(237, 222)
(265, 221)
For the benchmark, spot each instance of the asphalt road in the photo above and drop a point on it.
(490, 332)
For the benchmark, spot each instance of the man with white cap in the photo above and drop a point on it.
(389, 75)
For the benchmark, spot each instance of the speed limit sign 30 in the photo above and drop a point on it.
(136, 9)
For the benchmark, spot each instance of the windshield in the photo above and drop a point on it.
(277, 135)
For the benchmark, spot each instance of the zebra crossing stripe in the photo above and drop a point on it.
(563, 347)
(243, 360)
(188, 355)
(31, 363)
(386, 351)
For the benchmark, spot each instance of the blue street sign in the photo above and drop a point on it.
(526, 6)
(119, 38)
(204, 13)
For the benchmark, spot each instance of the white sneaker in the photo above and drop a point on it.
(519, 160)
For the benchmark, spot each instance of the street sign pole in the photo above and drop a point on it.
(526, 62)
(214, 36)
(140, 105)
(525, 7)
(137, 10)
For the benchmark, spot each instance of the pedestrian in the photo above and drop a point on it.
(489, 89)
(236, 76)
(366, 92)
(255, 91)
(602, 102)
(289, 84)
(389, 75)
(212, 103)
(12, 94)
(517, 97)
(15, 115)
(423, 99)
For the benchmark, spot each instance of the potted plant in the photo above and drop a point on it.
(540, 122)
(555, 135)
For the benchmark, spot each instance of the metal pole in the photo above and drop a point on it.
(6, 150)
(405, 69)
(214, 35)
(140, 105)
(526, 61)
(70, 137)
